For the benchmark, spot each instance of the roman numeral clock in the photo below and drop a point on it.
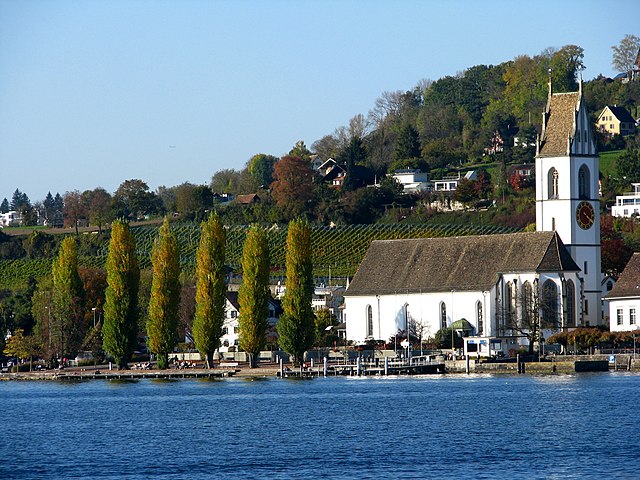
(585, 215)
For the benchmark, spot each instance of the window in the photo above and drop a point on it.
(527, 304)
(609, 285)
(443, 315)
(586, 307)
(225, 330)
(619, 316)
(549, 304)
(369, 321)
(234, 314)
(570, 300)
(632, 316)
(509, 304)
(583, 182)
(585, 270)
(479, 320)
(553, 224)
(552, 183)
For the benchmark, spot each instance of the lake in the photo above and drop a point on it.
(455, 426)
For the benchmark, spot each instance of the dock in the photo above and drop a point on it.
(423, 365)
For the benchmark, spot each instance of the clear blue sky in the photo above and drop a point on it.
(96, 92)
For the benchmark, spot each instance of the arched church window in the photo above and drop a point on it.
(570, 300)
(443, 315)
(479, 319)
(369, 321)
(509, 304)
(527, 304)
(549, 304)
(583, 182)
(552, 183)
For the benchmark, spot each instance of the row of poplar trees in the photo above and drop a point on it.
(295, 327)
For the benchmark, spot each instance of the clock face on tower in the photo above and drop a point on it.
(585, 215)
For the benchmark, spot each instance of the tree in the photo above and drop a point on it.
(292, 188)
(625, 54)
(4, 206)
(121, 297)
(628, 164)
(19, 200)
(353, 154)
(466, 191)
(210, 289)
(407, 143)
(68, 327)
(22, 346)
(74, 209)
(260, 168)
(162, 324)
(300, 150)
(133, 199)
(296, 328)
(193, 200)
(225, 181)
(254, 294)
(98, 205)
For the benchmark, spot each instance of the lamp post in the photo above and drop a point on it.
(94, 316)
(452, 344)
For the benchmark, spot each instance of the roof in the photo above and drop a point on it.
(559, 124)
(621, 113)
(232, 297)
(247, 199)
(471, 263)
(628, 284)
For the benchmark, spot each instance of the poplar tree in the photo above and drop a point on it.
(121, 297)
(254, 294)
(210, 289)
(296, 325)
(67, 326)
(164, 302)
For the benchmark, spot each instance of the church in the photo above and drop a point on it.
(498, 286)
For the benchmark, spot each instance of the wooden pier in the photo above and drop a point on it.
(416, 366)
(131, 374)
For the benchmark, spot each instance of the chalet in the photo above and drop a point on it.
(624, 298)
(615, 120)
(230, 330)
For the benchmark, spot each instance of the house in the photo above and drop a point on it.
(337, 175)
(525, 170)
(504, 286)
(412, 181)
(328, 298)
(627, 205)
(616, 120)
(450, 183)
(624, 298)
(248, 199)
(10, 219)
(230, 330)
(488, 280)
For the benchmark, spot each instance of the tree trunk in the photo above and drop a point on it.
(252, 359)
(208, 360)
(163, 361)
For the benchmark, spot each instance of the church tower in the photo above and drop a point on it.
(567, 193)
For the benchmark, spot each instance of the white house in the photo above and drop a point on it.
(450, 184)
(413, 181)
(624, 298)
(502, 285)
(230, 330)
(10, 219)
(628, 204)
(329, 298)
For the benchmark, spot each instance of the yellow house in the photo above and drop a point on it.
(616, 121)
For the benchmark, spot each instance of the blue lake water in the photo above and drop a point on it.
(479, 427)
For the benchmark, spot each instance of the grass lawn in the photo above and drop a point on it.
(608, 162)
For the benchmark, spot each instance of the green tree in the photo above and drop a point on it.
(210, 288)
(260, 168)
(68, 327)
(121, 297)
(296, 328)
(628, 164)
(22, 346)
(407, 144)
(625, 54)
(133, 199)
(4, 206)
(254, 294)
(164, 303)
(300, 150)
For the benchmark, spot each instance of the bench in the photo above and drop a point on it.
(228, 364)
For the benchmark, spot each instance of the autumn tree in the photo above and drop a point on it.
(210, 289)
(22, 346)
(162, 324)
(74, 209)
(121, 297)
(296, 327)
(68, 327)
(625, 54)
(98, 205)
(254, 294)
(292, 188)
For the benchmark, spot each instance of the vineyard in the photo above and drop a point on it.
(337, 251)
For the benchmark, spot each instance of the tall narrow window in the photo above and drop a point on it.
(552, 183)
(509, 304)
(479, 319)
(619, 316)
(369, 321)
(549, 304)
(527, 305)
(583, 182)
(570, 300)
(443, 315)
(632, 316)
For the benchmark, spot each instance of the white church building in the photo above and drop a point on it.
(500, 284)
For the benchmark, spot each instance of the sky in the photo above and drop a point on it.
(93, 93)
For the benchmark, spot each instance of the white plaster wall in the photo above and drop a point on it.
(625, 304)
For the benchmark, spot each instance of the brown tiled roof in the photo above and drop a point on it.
(247, 199)
(628, 284)
(456, 263)
(559, 126)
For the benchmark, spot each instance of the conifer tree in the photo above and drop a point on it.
(121, 297)
(296, 325)
(210, 289)
(164, 303)
(254, 294)
(67, 326)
